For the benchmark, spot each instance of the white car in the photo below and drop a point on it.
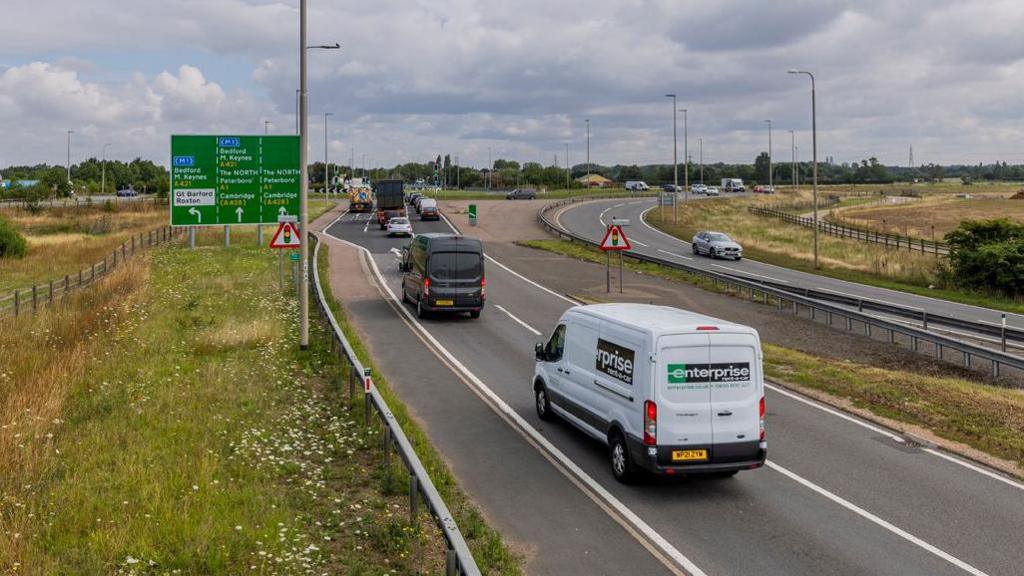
(399, 226)
(711, 191)
(671, 391)
(698, 189)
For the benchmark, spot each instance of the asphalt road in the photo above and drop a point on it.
(839, 496)
(590, 219)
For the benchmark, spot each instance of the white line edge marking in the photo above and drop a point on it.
(674, 254)
(517, 320)
(603, 494)
(875, 519)
(868, 298)
(750, 273)
(838, 413)
(600, 217)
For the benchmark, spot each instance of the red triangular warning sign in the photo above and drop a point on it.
(615, 239)
(287, 236)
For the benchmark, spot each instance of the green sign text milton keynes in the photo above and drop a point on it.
(219, 180)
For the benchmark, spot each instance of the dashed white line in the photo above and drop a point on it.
(875, 519)
(674, 254)
(750, 273)
(517, 320)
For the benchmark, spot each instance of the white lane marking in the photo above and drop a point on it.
(619, 205)
(643, 220)
(367, 227)
(644, 533)
(600, 217)
(894, 436)
(518, 321)
(674, 254)
(876, 520)
(750, 273)
(639, 243)
(867, 298)
(531, 282)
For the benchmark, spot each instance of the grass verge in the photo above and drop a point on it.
(166, 422)
(490, 552)
(984, 417)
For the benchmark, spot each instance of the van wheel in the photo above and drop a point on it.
(420, 312)
(622, 463)
(543, 404)
(474, 313)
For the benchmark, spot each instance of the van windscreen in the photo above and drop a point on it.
(456, 265)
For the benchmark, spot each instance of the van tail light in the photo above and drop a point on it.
(707, 328)
(761, 413)
(483, 287)
(650, 423)
(426, 286)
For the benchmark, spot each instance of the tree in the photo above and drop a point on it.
(630, 173)
(988, 255)
(761, 167)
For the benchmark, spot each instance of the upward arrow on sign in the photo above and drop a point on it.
(615, 239)
(239, 211)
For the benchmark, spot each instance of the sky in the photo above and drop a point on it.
(517, 79)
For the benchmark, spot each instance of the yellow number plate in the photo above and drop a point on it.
(444, 303)
(683, 455)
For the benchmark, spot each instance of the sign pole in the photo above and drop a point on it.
(227, 236)
(259, 235)
(620, 271)
(607, 272)
(303, 186)
(280, 270)
(191, 237)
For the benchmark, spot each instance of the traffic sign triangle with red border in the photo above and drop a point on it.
(287, 236)
(615, 239)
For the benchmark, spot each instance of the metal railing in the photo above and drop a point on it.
(30, 300)
(458, 558)
(912, 336)
(894, 241)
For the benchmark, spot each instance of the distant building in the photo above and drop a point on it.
(594, 181)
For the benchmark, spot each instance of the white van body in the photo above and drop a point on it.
(636, 185)
(732, 185)
(608, 367)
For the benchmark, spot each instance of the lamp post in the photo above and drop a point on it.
(567, 170)
(297, 93)
(792, 149)
(769, 154)
(588, 153)
(266, 127)
(304, 178)
(327, 170)
(103, 170)
(675, 163)
(700, 147)
(814, 159)
(70, 132)
(686, 159)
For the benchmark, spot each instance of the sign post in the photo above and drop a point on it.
(286, 236)
(472, 214)
(614, 241)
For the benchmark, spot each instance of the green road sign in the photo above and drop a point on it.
(472, 210)
(223, 180)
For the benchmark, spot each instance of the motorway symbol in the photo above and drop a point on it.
(231, 180)
(615, 239)
(287, 236)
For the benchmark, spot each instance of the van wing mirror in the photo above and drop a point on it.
(538, 350)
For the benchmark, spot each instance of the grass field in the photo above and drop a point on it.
(933, 215)
(985, 417)
(166, 422)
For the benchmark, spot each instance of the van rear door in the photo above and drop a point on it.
(736, 388)
(684, 405)
(457, 274)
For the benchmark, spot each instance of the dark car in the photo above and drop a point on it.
(428, 209)
(411, 198)
(444, 273)
(524, 193)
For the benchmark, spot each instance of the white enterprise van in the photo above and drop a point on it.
(668, 391)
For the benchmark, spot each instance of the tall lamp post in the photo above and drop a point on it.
(588, 153)
(686, 158)
(675, 164)
(327, 170)
(792, 164)
(70, 132)
(567, 171)
(304, 178)
(700, 148)
(769, 155)
(814, 158)
(103, 170)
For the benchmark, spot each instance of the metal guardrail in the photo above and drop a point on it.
(458, 559)
(30, 300)
(914, 336)
(894, 241)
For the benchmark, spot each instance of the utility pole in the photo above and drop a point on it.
(814, 158)
(686, 157)
(792, 149)
(70, 132)
(567, 170)
(588, 153)
(490, 168)
(675, 165)
(700, 146)
(769, 154)
(103, 178)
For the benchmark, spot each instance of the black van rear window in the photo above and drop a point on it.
(455, 265)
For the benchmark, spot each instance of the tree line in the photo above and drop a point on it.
(87, 178)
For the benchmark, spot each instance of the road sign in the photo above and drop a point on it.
(472, 214)
(224, 180)
(294, 256)
(615, 239)
(287, 236)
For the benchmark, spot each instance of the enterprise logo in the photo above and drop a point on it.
(683, 373)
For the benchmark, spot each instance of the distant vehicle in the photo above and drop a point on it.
(524, 193)
(716, 245)
(732, 185)
(670, 391)
(711, 191)
(127, 193)
(671, 188)
(429, 210)
(444, 272)
(419, 200)
(399, 226)
(761, 189)
(698, 189)
(390, 201)
(637, 186)
(360, 199)
(411, 197)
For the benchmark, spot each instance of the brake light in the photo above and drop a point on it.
(707, 327)
(483, 286)
(761, 413)
(426, 286)
(650, 423)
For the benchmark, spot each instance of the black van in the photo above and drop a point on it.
(444, 273)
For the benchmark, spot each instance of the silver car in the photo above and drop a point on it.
(716, 245)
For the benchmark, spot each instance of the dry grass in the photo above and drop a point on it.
(938, 214)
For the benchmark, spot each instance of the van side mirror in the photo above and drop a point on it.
(538, 350)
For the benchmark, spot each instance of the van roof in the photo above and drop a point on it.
(658, 319)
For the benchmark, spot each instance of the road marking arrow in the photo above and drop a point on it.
(195, 212)
(239, 211)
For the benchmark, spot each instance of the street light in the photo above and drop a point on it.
(103, 170)
(70, 132)
(567, 171)
(769, 154)
(327, 171)
(304, 178)
(588, 153)
(686, 158)
(700, 146)
(675, 164)
(266, 127)
(814, 158)
(792, 165)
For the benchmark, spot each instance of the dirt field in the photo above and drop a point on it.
(941, 213)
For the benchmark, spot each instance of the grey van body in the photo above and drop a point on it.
(444, 273)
